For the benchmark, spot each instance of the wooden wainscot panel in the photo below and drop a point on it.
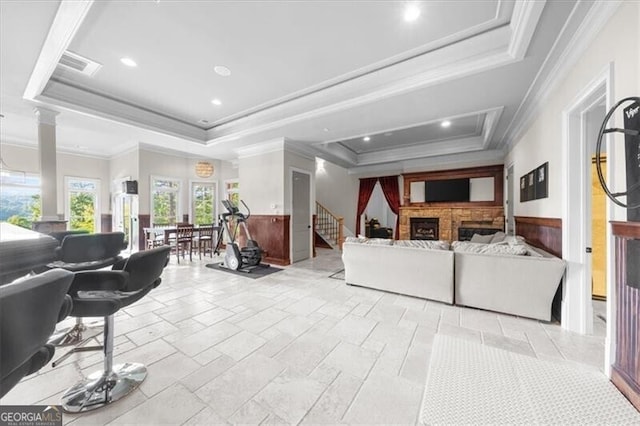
(541, 232)
(144, 221)
(105, 223)
(271, 232)
(626, 368)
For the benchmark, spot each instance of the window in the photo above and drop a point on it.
(165, 196)
(20, 202)
(232, 191)
(82, 203)
(203, 202)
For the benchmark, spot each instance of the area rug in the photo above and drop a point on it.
(469, 383)
(255, 273)
(338, 275)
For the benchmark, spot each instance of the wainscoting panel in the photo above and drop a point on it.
(105, 223)
(271, 232)
(541, 232)
(144, 221)
(626, 369)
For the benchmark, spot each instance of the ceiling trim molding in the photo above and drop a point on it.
(69, 17)
(421, 151)
(134, 147)
(498, 20)
(490, 123)
(524, 21)
(552, 73)
(267, 147)
(474, 65)
(76, 99)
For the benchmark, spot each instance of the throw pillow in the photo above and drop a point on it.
(467, 247)
(484, 239)
(498, 237)
(516, 250)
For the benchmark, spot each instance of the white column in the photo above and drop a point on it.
(47, 156)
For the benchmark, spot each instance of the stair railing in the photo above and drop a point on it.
(329, 225)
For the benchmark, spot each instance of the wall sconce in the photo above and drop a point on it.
(204, 169)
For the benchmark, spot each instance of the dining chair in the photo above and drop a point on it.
(184, 239)
(205, 239)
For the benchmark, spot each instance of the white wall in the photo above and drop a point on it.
(337, 190)
(617, 43)
(262, 182)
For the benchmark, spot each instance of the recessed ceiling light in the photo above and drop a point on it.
(445, 123)
(326, 129)
(411, 12)
(216, 102)
(366, 139)
(129, 62)
(222, 70)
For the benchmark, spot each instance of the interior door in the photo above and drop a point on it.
(300, 216)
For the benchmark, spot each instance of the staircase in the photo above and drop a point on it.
(329, 227)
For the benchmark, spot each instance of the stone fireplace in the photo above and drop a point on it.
(424, 228)
(450, 219)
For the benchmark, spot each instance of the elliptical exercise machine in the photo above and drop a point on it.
(238, 259)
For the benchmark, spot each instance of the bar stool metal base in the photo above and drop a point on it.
(74, 335)
(101, 388)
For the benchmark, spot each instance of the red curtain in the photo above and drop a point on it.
(391, 191)
(366, 188)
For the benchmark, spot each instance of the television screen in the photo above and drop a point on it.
(447, 190)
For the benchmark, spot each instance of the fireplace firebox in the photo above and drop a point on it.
(424, 228)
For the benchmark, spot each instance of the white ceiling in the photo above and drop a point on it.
(319, 75)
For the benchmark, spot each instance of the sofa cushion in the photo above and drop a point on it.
(429, 244)
(359, 239)
(484, 239)
(498, 237)
(500, 248)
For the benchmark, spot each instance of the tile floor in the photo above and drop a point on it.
(292, 347)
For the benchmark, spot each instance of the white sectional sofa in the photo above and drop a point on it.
(510, 277)
(420, 272)
(522, 285)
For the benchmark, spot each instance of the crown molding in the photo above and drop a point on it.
(69, 17)
(95, 105)
(524, 21)
(553, 72)
(267, 147)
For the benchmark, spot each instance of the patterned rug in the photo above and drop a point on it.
(469, 383)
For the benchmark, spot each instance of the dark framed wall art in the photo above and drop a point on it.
(535, 184)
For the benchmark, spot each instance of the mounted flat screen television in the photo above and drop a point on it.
(449, 190)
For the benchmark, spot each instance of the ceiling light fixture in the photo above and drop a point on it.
(326, 129)
(129, 62)
(366, 139)
(446, 123)
(222, 70)
(204, 169)
(216, 102)
(411, 12)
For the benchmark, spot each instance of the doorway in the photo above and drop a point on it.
(300, 215)
(581, 121)
(125, 218)
(511, 200)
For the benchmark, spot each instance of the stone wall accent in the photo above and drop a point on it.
(453, 218)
